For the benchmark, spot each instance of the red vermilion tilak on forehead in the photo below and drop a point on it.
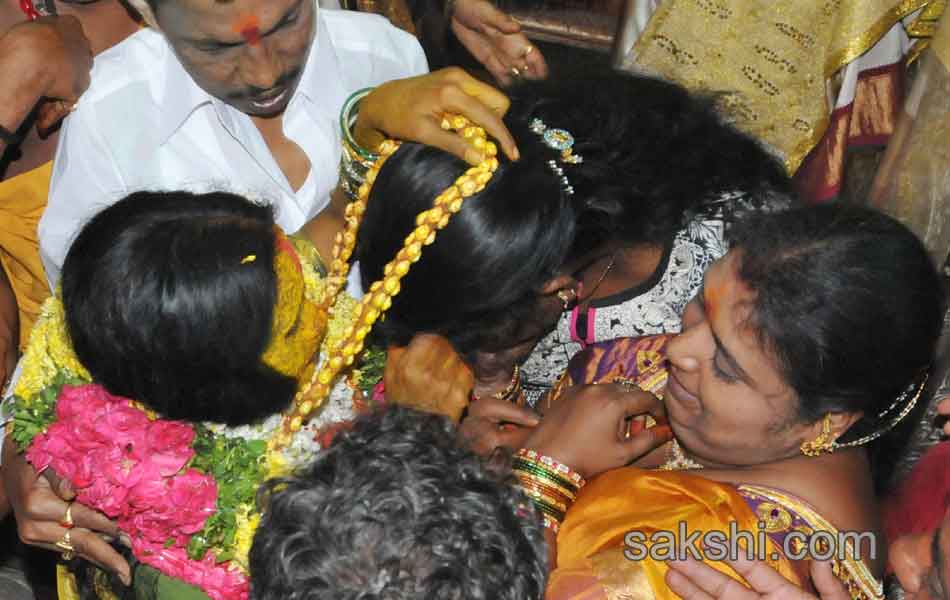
(249, 26)
(712, 298)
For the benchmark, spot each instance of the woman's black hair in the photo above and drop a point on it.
(654, 157)
(661, 156)
(162, 308)
(851, 306)
(480, 279)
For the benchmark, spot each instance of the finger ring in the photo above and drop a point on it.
(515, 72)
(67, 520)
(528, 50)
(65, 544)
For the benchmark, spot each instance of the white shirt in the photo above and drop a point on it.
(144, 124)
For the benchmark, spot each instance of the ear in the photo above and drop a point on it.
(557, 283)
(840, 423)
(143, 8)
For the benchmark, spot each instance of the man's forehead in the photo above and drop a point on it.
(219, 15)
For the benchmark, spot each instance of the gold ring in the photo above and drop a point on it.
(66, 545)
(515, 72)
(528, 50)
(67, 520)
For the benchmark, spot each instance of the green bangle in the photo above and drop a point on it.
(348, 116)
(523, 465)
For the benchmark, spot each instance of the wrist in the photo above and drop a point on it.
(365, 126)
(551, 485)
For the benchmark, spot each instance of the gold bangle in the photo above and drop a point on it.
(536, 494)
(548, 486)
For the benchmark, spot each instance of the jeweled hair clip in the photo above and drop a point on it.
(562, 141)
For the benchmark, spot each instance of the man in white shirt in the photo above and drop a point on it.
(242, 95)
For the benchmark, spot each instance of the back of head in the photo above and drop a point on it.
(479, 281)
(851, 306)
(161, 306)
(661, 155)
(394, 509)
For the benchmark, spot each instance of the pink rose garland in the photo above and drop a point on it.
(133, 469)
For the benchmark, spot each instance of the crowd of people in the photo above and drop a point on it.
(285, 315)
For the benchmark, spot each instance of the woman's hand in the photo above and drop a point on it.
(40, 502)
(496, 41)
(428, 375)
(412, 110)
(492, 423)
(690, 579)
(587, 428)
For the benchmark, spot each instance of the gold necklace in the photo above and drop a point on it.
(610, 265)
(677, 459)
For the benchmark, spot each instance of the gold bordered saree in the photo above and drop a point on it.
(594, 557)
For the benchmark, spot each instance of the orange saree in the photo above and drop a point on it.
(617, 536)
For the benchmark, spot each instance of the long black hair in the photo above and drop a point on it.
(660, 156)
(162, 308)
(480, 280)
(851, 306)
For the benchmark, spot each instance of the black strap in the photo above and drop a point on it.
(9, 138)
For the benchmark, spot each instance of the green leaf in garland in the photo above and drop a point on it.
(32, 416)
(238, 467)
(369, 369)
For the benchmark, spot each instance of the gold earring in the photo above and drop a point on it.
(567, 296)
(823, 443)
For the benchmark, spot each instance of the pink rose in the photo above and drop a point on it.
(147, 494)
(194, 495)
(121, 468)
(103, 496)
(169, 445)
(123, 425)
(81, 402)
(217, 580)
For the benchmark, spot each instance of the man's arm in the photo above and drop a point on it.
(50, 58)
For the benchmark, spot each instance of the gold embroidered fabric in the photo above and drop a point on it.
(913, 182)
(852, 572)
(771, 59)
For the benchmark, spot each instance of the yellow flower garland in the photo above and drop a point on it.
(48, 353)
(379, 297)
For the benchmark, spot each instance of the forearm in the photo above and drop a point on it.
(9, 316)
(23, 85)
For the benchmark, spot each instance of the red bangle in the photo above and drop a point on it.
(29, 10)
